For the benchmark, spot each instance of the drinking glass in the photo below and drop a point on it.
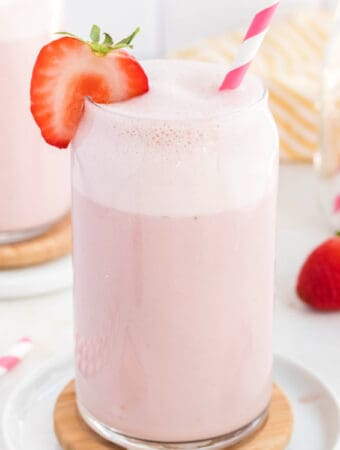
(327, 160)
(173, 223)
(34, 178)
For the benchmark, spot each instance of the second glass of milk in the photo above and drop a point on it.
(34, 178)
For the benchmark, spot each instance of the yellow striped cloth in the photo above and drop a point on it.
(290, 61)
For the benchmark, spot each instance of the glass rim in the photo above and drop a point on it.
(259, 100)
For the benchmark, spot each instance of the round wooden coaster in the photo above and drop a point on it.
(54, 243)
(74, 434)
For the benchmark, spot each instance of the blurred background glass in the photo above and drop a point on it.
(327, 159)
(34, 181)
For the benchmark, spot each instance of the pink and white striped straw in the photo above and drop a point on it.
(15, 355)
(250, 45)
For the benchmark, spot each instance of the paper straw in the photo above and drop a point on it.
(250, 45)
(15, 355)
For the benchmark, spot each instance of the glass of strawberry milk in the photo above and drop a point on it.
(174, 196)
(34, 179)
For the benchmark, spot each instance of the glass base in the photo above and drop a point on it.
(12, 237)
(219, 442)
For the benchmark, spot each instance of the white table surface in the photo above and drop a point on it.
(309, 337)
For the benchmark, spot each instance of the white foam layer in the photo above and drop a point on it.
(181, 149)
(188, 90)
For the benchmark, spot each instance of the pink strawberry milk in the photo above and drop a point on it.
(34, 179)
(174, 196)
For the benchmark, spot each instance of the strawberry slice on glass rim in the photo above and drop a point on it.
(68, 70)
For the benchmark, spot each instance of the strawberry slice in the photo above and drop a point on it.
(69, 69)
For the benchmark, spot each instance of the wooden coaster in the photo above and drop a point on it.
(74, 434)
(54, 243)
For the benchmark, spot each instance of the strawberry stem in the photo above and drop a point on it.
(107, 45)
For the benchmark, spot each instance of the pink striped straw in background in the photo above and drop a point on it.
(15, 355)
(250, 45)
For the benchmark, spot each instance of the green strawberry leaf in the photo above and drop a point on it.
(66, 33)
(127, 41)
(95, 33)
(107, 40)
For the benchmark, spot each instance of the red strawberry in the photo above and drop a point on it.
(319, 280)
(69, 69)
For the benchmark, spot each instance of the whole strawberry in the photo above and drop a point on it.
(319, 280)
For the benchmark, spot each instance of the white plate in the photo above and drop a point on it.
(315, 408)
(37, 280)
(28, 425)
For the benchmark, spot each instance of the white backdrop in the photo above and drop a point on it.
(165, 24)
